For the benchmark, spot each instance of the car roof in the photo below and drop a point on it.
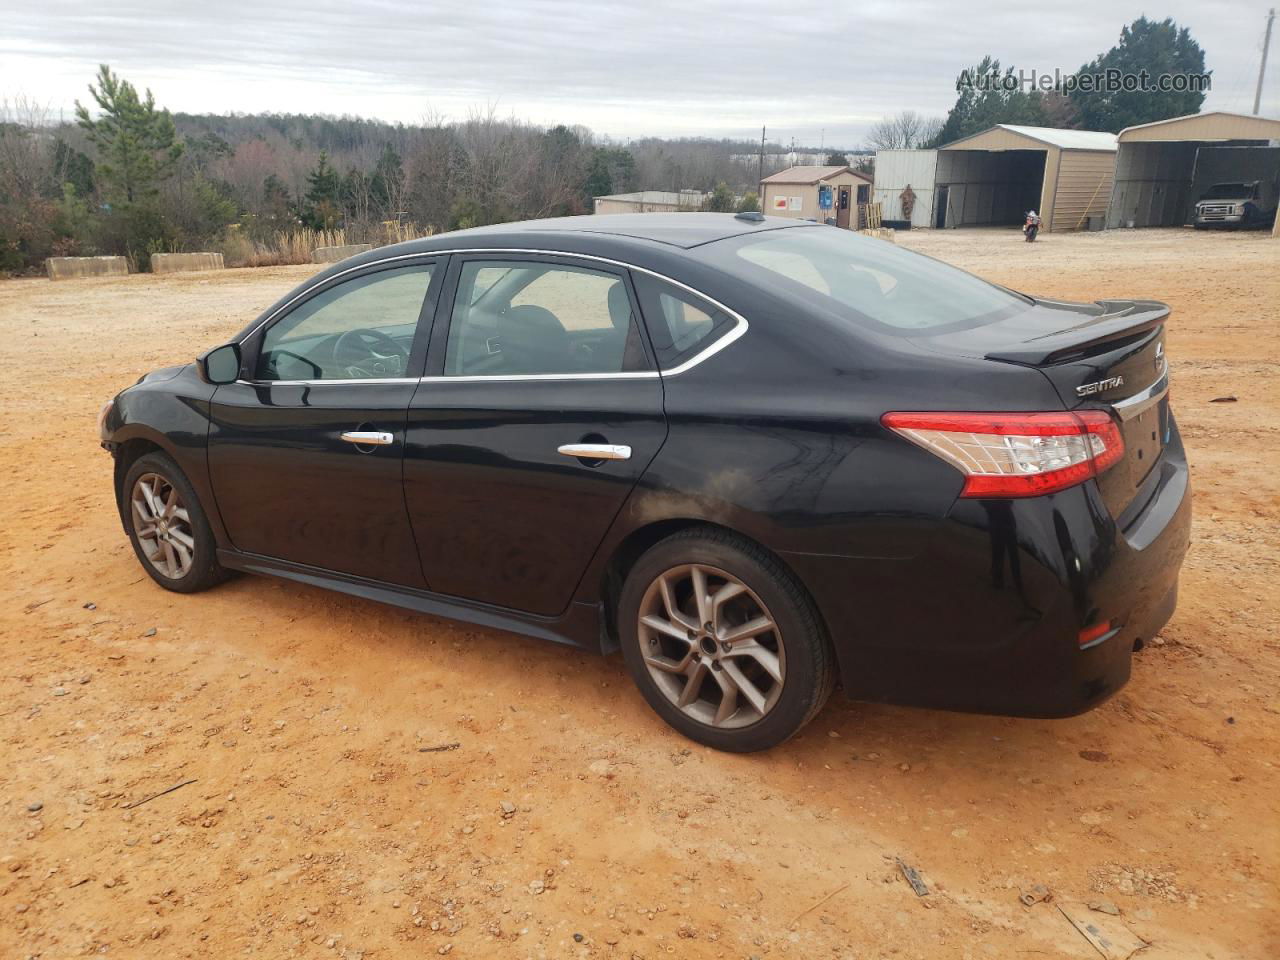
(655, 241)
(683, 230)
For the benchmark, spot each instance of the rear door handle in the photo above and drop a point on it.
(596, 451)
(368, 438)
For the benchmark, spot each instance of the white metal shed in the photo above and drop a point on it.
(898, 170)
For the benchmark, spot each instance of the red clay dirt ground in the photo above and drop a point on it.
(316, 827)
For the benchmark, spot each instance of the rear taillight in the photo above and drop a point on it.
(1016, 454)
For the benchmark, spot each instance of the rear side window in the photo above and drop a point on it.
(872, 283)
(525, 318)
(681, 324)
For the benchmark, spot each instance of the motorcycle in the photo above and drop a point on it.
(1032, 225)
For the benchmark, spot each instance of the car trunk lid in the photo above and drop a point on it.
(1108, 354)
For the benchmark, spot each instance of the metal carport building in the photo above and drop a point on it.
(1162, 168)
(995, 177)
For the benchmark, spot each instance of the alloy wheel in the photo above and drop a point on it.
(711, 646)
(163, 526)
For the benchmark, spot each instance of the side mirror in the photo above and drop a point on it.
(220, 365)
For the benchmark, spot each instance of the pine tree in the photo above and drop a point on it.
(324, 195)
(387, 183)
(137, 145)
(1157, 47)
(986, 96)
(137, 149)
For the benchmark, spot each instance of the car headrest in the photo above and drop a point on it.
(619, 306)
(533, 341)
(530, 318)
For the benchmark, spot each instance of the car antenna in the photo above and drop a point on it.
(750, 216)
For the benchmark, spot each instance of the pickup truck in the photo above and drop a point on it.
(1243, 205)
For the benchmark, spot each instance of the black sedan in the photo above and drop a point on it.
(760, 456)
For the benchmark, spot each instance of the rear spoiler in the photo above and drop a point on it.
(1119, 320)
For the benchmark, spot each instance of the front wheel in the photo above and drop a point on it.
(722, 641)
(168, 527)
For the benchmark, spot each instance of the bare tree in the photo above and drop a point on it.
(429, 159)
(905, 130)
(499, 163)
(930, 132)
(28, 182)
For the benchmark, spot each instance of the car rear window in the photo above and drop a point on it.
(867, 280)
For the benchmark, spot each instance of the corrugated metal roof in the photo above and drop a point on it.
(808, 174)
(1214, 125)
(1051, 136)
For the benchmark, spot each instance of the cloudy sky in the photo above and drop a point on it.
(808, 69)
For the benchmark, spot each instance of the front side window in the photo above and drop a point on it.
(522, 318)
(361, 329)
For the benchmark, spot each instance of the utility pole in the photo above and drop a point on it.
(1262, 69)
(760, 166)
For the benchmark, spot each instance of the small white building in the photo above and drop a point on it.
(796, 193)
(650, 201)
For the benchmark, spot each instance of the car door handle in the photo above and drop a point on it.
(596, 451)
(368, 438)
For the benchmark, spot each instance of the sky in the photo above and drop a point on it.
(819, 72)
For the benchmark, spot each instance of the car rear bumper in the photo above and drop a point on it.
(988, 619)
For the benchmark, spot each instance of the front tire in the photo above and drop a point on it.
(168, 528)
(723, 642)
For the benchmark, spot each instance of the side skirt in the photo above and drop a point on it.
(579, 626)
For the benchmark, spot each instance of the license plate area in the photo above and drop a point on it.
(1145, 437)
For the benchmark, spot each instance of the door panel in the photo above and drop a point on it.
(499, 514)
(538, 353)
(346, 358)
(289, 487)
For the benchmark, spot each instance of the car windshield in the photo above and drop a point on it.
(1227, 191)
(867, 280)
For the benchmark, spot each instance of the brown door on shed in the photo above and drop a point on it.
(842, 209)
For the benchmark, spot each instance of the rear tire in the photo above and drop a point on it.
(168, 527)
(744, 671)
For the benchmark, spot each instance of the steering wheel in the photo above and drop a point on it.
(369, 353)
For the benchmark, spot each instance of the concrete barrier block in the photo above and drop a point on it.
(184, 262)
(72, 268)
(334, 254)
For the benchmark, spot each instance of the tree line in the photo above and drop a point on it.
(127, 177)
